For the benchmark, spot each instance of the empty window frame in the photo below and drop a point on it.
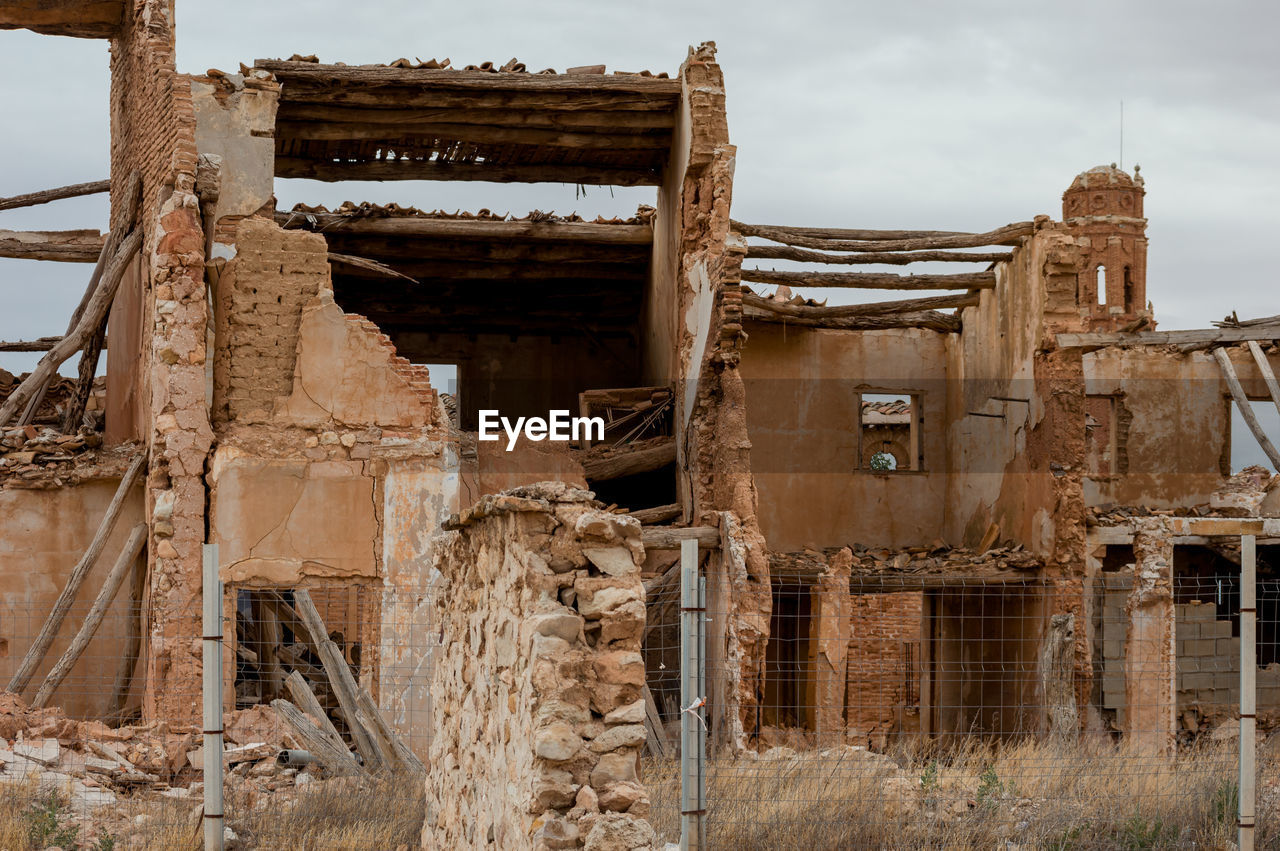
(889, 432)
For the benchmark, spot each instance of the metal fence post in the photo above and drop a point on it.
(1248, 686)
(693, 727)
(212, 689)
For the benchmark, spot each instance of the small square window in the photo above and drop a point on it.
(889, 433)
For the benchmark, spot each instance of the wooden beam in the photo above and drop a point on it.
(110, 587)
(378, 270)
(471, 81)
(75, 190)
(42, 344)
(416, 271)
(390, 248)
(75, 18)
(68, 246)
(657, 514)
(310, 131)
(605, 463)
(841, 233)
(669, 537)
(1268, 376)
(879, 308)
(1246, 410)
(416, 226)
(928, 319)
(1166, 338)
(890, 258)
(873, 280)
(36, 652)
(1007, 235)
(592, 175)
(467, 113)
(304, 93)
(335, 757)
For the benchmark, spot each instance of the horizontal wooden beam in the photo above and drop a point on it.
(468, 113)
(601, 464)
(1167, 338)
(40, 344)
(587, 232)
(76, 18)
(312, 131)
(1007, 235)
(69, 246)
(872, 280)
(388, 249)
(670, 537)
(73, 191)
(442, 270)
(930, 319)
(300, 92)
(879, 308)
(591, 175)
(841, 233)
(891, 258)
(382, 75)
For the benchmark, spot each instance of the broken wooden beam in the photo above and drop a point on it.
(623, 140)
(468, 112)
(379, 269)
(841, 233)
(1268, 375)
(656, 738)
(75, 18)
(336, 759)
(1198, 336)
(1007, 235)
(330, 170)
(306, 700)
(41, 344)
(92, 317)
(930, 320)
(891, 258)
(873, 280)
(75, 190)
(1246, 409)
(669, 537)
(657, 514)
(36, 652)
(127, 667)
(125, 563)
(605, 463)
(879, 308)
(67, 246)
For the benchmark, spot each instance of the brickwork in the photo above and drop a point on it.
(881, 625)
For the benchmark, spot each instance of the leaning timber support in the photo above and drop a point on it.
(1246, 410)
(873, 280)
(123, 683)
(36, 652)
(75, 190)
(119, 571)
(1268, 375)
(334, 757)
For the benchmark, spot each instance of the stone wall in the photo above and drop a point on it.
(537, 686)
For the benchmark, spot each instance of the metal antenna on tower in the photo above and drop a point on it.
(1122, 134)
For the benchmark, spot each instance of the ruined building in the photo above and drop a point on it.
(903, 507)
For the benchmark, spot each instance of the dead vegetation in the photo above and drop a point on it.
(1033, 794)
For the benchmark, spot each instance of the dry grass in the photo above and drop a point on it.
(1036, 795)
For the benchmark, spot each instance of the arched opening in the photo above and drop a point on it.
(1128, 291)
(1102, 286)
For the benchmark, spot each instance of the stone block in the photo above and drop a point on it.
(1229, 647)
(1215, 629)
(1202, 647)
(1188, 665)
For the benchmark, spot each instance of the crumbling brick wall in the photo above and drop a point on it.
(261, 295)
(882, 626)
(153, 133)
(537, 685)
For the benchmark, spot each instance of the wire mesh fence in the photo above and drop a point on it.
(908, 711)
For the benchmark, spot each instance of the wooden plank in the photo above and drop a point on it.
(873, 280)
(68, 246)
(75, 190)
(1008, 235)
(1167, 338)
(1268, 376)
(879, 308)
(467, 112)
(380, 270)
(842, 233)
(656, 738)
(657, 514)
(669, 537)
(110, 587)
(311, 131)
(36, 652)
(590, 175)
(421, 226)
(337, 759)
(43, 344)
(479, 81)
(891, 258)
(1246, 409)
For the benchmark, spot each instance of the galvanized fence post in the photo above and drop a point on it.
(693, 727)
(1248, 686)
(212, 690)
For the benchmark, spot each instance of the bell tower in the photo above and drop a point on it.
(1102, 209)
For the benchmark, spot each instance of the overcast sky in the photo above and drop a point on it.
(941, 115)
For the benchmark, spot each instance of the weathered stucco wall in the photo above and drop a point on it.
(537, 686)
(44, 534)
(802, 414)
